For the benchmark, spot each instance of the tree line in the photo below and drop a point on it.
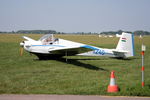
(138, 32)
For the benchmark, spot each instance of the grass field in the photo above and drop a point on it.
(80, 75)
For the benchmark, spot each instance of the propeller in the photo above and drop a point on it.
(21, 49)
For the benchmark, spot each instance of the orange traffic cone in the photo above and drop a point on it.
(112, 86)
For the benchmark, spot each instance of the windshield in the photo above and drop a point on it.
(47, 37)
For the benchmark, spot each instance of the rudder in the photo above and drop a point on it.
(126, 43)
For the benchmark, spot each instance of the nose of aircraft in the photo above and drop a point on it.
(21, 49)
(22, 43)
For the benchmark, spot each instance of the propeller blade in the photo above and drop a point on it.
(21, 51)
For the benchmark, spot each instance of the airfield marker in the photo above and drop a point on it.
(112, 86)
(142, 69)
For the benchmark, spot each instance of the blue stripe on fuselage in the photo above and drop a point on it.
(89, 47)
(96, 50)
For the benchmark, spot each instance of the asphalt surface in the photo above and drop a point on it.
(67, 97)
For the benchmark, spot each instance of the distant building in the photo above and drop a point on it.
(99, 35)
(110, 36)
(140, 36)
(105, 35)
(117, 35)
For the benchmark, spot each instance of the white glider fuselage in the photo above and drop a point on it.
(48, 45)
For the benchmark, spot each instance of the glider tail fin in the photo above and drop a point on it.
(126, 45)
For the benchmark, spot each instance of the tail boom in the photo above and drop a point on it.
(124, 49)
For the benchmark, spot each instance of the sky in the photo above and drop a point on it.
(75, 15)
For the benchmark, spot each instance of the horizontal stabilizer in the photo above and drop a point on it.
(120, 51)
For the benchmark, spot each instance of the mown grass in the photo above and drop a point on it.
(80, 75)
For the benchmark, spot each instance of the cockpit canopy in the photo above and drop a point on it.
(48, 38)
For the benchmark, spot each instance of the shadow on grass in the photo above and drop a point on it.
(80, 64)
(119, 58)
(75, 62)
